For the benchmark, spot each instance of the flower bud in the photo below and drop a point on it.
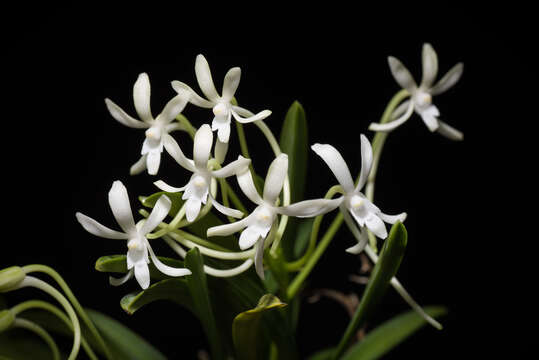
(11, 277)
(6, 320)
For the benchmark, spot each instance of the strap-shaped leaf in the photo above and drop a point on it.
(248, 331)
(175, 290)
(123, 343)
(391, 333)
(118, 264)
(198, 287)
(386, 267)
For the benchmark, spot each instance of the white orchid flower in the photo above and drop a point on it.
(157, 128)
(137, 244)
(259, 222)
(222, 107)
(421, 96)
(354, 205)
(196, 191)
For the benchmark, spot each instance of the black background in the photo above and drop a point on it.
(62, 150)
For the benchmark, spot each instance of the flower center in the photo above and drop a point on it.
(154, 133)
(423, 99)
(134, 244)
(264, 216)
(221, 109)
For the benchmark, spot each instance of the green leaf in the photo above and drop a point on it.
(118, 264)
(123, 343)
(22, 344)
(247, 329)
(386, 267)
(323, 354)
(197, 284)
(303, 235)
(391, 333)
(294, 143)
(175, 290)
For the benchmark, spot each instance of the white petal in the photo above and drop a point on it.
(165, 269)
(159, 212)
(174, 150)
(153, 160)
(220, 150)
(226, 210)
(139, 166)
(141, 97)
(231, 82)
(117, 282)
(449, 79)
(249, 237)
(223, 132)
(173, 108)
(205, 81)
(194, 98)
(247, 186)
(392, 125)
(165, 187)
(202, 146)
(261, 115)
(337, 165)
(359, 235)
(401, 109)
(121, 208)
(235, 167)
(277, 172)
(228, 229)
(192, 208)
(429, 117)
(366, 162)
(120, 115)
(391, 219)
(429, 60)
(142, 274)
(376, 225)
(175, 126)
(310, 208)
(401, 74)
(95, 228)
(449, 131)
(259, 258)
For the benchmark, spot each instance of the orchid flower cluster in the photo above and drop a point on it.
(260, 231)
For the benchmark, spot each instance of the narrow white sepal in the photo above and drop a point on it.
(228, 229)
(277, 172)
(401, 74)
(247, 186)
(448, 80)
(193, 98)
(449, 131)
(202, 146)
(121, 116)
(95, 228)
(121, 208)
(231, 83)
(310, 208)
(391, 219)
(139, 166)
(395, 123)
(161, 185)
(174, 150)
(260, 116)
(235, 167)
(158, 213)
(259, 258)
(165, 269)
(226, 210)
(119, 281)
(366, 162)
(173, 108)
(141, 98)
(249, 237)
(376, 225)
(336, 164)
(429, 61)
(204, 78)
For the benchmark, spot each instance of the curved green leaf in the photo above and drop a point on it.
(386, 267)
(325, 354)
(175, 290)
(249, 341)
(197, 284)
(294, 143)
(118, 264)
(123, 342)
(391, 333)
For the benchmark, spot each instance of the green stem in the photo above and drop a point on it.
(40, 284)
(190, 129)
(296, 265)
(63, 285)
(42, 333)
(377, 147)
(324, 242)
(38, 304)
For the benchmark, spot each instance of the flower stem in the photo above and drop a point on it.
(40, 284)
(38, 304)
(63, 285)
(377, 147)
(190, 129)
(42, 333)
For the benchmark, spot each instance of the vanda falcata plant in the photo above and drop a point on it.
(217, 236)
